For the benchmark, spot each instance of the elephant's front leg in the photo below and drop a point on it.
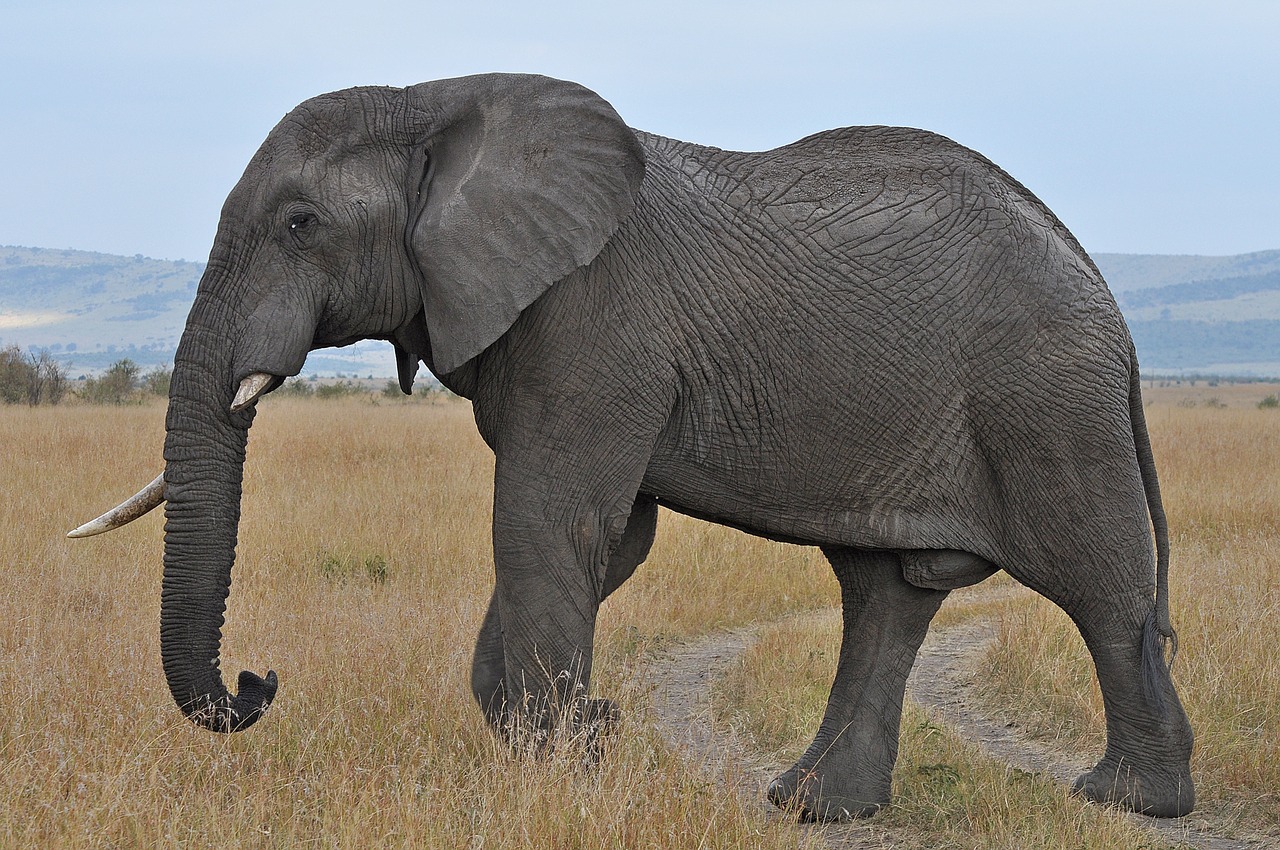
(846, 770)
(488, 666)
(553, 531)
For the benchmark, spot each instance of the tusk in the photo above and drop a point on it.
(146, 499)
(250, 388)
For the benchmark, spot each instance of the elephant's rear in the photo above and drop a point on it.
(895, 299)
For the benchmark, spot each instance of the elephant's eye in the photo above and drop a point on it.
(299, 223)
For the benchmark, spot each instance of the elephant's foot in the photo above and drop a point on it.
(581, 726)
(814, 794)
(1161, 794)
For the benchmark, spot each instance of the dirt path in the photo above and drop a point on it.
(941, 682)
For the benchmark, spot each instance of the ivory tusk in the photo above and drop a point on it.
(250, 388)
(146, 499)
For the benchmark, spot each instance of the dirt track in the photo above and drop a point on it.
(941, 681)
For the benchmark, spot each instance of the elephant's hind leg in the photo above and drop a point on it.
(1146, 766)
(846, 770)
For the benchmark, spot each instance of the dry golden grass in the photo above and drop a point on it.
(374, 740)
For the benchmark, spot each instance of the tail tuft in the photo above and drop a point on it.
(1155, 669)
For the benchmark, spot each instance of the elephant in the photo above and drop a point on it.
(872, 340)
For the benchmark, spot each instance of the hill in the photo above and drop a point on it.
(92, 309)
(1126, 272)
(1213, 315)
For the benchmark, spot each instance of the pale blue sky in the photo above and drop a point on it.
(1148, 126)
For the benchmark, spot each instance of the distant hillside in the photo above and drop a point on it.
(1125, 272)
(94, 304)
(1216, 315)
(1209, 314)
(92, 309)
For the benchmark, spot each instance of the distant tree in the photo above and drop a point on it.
(34, 378)
(47, 382)
(117, 385)
(15, 375)
(156, 382)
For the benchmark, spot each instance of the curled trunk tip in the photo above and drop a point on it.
(233, 713)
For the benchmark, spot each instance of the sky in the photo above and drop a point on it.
(1148, 127)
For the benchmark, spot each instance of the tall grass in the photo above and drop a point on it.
(364, 566)
(363, 569)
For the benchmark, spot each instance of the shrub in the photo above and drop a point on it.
(338, 389)
(117, 385)
(156, 382)
(15, 375)
(297, 387)
(342, 569)
(34, 378)
(1269, 402)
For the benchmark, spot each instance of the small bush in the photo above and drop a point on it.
(338, 389)
(48, 380)
(297, 387)
(35, 378)
(117, 385)
(344, 569)
(156, 382)
(1269, 402)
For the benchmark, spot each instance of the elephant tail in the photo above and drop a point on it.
(1158, 628)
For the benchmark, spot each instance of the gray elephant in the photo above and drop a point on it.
(872, 340)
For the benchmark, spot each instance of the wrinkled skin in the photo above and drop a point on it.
(872, 340)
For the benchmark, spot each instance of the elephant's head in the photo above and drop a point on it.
(429, 216)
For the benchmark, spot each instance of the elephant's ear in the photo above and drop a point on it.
(518, 181)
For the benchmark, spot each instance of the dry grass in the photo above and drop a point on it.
(373, 740)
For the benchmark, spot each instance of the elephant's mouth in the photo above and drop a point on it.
(252, 388)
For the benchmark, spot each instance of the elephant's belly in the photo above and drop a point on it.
(824, 516)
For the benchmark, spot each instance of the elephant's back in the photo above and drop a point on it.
(862, 223)
(901, 325)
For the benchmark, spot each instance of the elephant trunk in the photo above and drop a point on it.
(204, 464)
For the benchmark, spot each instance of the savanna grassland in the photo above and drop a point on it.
(363, 569)
(362, 574)
(1217, 453)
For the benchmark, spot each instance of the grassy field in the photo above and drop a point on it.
(363, 570)
(1216, 452)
